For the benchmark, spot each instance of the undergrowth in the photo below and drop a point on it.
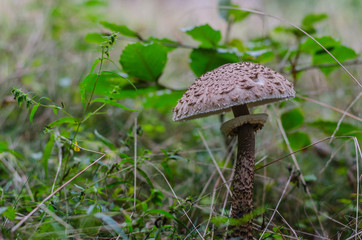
(100, 158)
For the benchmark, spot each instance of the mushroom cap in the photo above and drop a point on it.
(231, 85)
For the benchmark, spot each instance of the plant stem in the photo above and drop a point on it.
(82, 119)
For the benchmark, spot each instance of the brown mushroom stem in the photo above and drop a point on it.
(243, 181)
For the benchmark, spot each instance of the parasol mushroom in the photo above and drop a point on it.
(236, 87)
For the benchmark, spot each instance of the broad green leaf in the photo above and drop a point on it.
(62, 121)
(238, 44)
(342, 53)
(144, 61)
(113, 103)
(8, 212)
(345, 129)
(307, 25)
(310, 46)
(3, 146)
(205, 34)
(165, 42)
(298, 140)
(234, 15)
(121, 29)
(85, 84)
(260, 56)
(33, 110)
(46, 154)
(106, 84)
(112, 224)
(309, 20)
(160, 211)
(204, 60)
(292, 119)
(134, 93)
(320, 56)
(96, 38)
(95, 63)
(162, 99)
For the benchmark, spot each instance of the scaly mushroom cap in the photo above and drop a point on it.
(232, 85)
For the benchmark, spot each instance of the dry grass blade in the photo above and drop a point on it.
(330, 107)
(60, 157)
(52, 194)
(344, 114)
(135, 163)
(276, 207)
(301, 174)
(176, 197)
(215, 163)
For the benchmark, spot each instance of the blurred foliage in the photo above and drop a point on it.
(79, 91)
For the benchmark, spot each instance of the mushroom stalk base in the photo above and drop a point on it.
(243, 181)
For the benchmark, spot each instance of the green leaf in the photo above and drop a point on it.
(342, 53)
(104, 140)
(106, 84)
(260, 56)
(292, 119)
(134, 93)
(298, 140)
(113, 103)
(33, 110)
(320, 56)
(238, 44)
(345, 129)
(112, 224)
(95, 63)
(46, 154)
(205, 34)
(204, 60)
(309, 20)
(61, 121)
(3, 146)
(7, 212)
(144, 61)
(165, 42)
(160, 211)
(96, 38)
(86, 84)
(121, 29)
(234, 15)
(162, 99)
